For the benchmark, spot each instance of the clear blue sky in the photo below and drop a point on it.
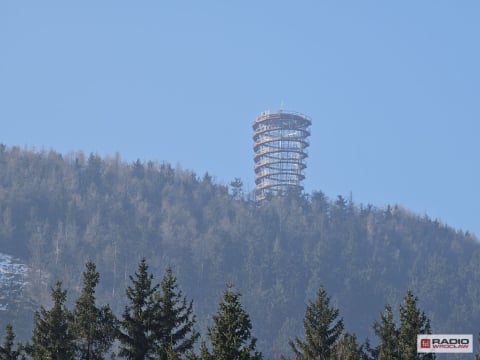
(393, 88)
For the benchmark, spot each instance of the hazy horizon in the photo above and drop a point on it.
(392, 90)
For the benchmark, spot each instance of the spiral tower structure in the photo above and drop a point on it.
(280, 142)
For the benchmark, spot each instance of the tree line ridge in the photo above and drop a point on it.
(59, 210)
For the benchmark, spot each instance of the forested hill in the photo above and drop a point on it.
(58, 211)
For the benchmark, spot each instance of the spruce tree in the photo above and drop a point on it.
(387, 335)
(138, 328)
(347, 348)
(175, 334)
(52, 336)
(412, 323)
(230, 336)
(7, 351)
(93, 327)
(322, 328)
(205, 353)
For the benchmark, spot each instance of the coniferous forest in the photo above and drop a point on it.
(85, 224)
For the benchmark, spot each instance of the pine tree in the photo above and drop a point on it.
(94, 328)
(322, 330)
(412, 323)
(237, 188)
(387, 335)
(52, 336)
(347, 348)
(138, 333)
(175, 333)
(205, 353)
(7, 351)
(367, 352)
(230, 336)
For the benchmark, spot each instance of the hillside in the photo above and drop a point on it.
(57, 211)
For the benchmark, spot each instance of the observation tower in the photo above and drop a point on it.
(280, 142)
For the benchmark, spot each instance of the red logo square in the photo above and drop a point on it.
(425, 343)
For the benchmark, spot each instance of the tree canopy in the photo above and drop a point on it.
(159, 325)
(323, 330)
(230, 335)
(57, 210)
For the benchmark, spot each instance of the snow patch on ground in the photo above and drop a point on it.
(13, 278)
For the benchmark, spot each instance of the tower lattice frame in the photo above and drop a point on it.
(280, 143)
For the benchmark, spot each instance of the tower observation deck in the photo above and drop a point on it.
(280, 142)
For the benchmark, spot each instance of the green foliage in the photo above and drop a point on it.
(347, 348)
(175, 335)
(387, 334)
(412, 322)
(237, 188)
(56, 210)
(52, 335)
(159, 325)
(7, 351)
(93, 328)
(138, 327)
(323, 330)
(230, 336)
(401, 342)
